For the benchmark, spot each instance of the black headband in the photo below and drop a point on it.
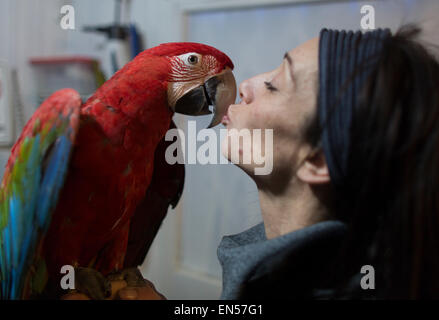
(345, 60)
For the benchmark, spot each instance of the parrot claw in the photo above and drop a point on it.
(132, 276)
(92, 283)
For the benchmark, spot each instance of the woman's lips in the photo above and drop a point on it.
(225, 120)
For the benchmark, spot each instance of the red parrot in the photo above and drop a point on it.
(87, 185)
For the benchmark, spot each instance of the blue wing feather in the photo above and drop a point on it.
(53, 180)
(31, 186)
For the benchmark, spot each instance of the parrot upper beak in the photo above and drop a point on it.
(218, 91)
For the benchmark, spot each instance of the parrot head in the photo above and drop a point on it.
(200, 76)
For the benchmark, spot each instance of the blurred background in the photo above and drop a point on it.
(41, 50)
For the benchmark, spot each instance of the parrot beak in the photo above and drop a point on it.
(218, 91)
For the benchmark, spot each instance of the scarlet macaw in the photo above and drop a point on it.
(78, 188)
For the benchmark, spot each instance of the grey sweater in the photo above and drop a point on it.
(289, 266)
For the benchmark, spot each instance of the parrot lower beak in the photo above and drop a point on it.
(218, 91)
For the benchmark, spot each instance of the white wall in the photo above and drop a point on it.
(28, 29)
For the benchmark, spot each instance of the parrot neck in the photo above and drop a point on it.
(132, 106)
(129, 123)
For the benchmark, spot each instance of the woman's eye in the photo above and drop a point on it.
(192, 59)
(269, 86)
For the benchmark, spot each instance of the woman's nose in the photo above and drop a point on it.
(246, 92)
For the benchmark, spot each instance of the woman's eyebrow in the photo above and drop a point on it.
(290, 62)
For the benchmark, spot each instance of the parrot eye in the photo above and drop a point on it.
(192, 59)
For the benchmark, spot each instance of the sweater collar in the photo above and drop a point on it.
(240, 254)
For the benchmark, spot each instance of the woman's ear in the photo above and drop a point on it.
(314, 169)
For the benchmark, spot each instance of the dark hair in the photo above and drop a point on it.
(390, 199)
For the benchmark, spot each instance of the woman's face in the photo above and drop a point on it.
(283, 100)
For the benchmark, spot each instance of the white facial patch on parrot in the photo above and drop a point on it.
(188, 73)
